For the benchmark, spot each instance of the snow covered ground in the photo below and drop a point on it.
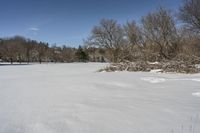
(74, 98)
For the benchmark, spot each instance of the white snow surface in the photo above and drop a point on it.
(75, 98)
(197, 94)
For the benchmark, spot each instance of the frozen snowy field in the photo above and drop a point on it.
(74, 98)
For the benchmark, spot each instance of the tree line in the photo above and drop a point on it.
(20, 49)
(160, 36)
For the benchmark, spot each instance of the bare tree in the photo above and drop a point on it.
(1, 49)
(29, 46)
(189, 45)
(133, 33)
(159, 30)
(109, 34)
(190, 14)
(134, 41)
(41, 49)
(10, 50)
(68, 54)
(20, 43)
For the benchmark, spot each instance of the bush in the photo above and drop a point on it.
(170, 66)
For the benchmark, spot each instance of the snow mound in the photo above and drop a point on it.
(153, 79)
(156, 71)
(196, 94)
(197, 79)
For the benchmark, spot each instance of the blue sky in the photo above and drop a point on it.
(69, 21)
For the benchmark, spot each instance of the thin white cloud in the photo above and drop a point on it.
(34, 29)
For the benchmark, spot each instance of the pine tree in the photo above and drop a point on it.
(81, 56)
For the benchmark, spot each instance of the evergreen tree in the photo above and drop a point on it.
(81, 56)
